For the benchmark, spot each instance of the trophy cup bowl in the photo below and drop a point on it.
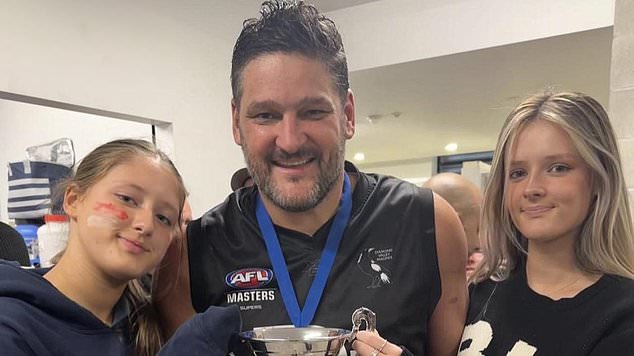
(289, 340)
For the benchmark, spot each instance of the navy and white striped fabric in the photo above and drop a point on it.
(30, 187)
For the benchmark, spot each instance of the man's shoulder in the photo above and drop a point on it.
(381, 185)
(240, 202)
(228, 203)
(383, 199)
(233, 217)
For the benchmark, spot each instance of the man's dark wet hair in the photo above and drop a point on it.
(290, 27)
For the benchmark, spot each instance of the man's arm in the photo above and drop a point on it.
(448, 318)
(208, 333)
(170, 288)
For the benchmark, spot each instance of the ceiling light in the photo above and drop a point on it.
(374, 118)
(451, 147)
(359, 156)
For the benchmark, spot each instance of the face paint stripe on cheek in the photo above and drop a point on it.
(110, 208)
(99, 221)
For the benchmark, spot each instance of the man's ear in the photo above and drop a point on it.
(348, 111)
(72, 199)
(235, 122)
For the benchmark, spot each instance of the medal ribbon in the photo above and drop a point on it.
(304, 317)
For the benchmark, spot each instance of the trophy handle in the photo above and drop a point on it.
(358, 317)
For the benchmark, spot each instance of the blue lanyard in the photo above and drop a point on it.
(304, 317)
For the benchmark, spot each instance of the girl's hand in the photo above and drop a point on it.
(370, 343)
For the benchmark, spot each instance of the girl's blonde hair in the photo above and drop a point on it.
(605, 244)
(144, 325)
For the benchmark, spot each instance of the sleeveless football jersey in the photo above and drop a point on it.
(386, 262)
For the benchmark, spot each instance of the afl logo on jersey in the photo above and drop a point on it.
(248, 278)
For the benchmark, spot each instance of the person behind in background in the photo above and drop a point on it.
(557, 274)
(12, 246)
(465, 197)
(186, 216)
(241, 178)
(124, 204)
(315, 239)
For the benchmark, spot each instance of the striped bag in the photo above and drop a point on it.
(31, 185)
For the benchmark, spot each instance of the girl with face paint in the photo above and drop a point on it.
(124, 204)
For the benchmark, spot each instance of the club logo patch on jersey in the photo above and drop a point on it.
(248, 278)
(372, 262)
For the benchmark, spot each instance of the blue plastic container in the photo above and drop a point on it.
(29, 234)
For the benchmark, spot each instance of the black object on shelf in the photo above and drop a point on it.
(453, 163)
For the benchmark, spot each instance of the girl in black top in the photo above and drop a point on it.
(557, 276)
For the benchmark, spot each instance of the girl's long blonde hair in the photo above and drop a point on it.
(606, 241)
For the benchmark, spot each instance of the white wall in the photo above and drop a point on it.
(23, 125)
(170, 60)
(160, 59)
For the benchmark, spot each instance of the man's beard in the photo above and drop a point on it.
(329, 172)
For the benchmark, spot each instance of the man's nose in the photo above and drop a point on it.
(291, 136)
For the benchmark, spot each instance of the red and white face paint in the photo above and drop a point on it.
(107, 216)
(125, 222)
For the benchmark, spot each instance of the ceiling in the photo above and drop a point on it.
(464, 98)
(332, 5)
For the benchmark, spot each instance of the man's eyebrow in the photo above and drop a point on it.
(267, 105)
(263, 105)
(315, 100)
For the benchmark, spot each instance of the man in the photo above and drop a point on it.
(466, 198)
(315, 239)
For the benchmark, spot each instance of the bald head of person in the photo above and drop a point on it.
(466, 198)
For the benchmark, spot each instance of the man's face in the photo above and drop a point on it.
(471, 225)
(292, 127)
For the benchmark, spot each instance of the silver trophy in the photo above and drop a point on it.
(288, 340)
